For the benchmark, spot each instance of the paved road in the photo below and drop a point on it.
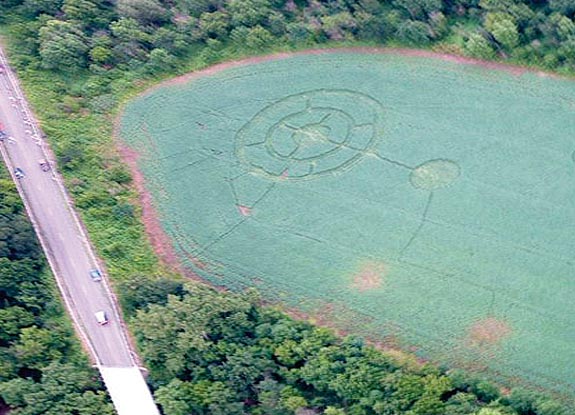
(62, 238)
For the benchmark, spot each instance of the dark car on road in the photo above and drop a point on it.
(44, 165)
(19, 173)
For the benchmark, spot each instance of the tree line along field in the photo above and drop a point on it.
(419, 201)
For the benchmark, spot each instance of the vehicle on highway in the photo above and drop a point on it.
(44, 165)
(3, 134)
(19, 173)
(96, 275)
(101, 317)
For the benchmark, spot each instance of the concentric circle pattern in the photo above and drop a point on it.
(311, 134)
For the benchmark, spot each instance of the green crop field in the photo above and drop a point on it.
(422, 202)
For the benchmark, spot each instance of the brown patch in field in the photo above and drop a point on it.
(245, 210)
(505, 391)
(160, 241)
(369, 277)
(487, 332)
(391, 342)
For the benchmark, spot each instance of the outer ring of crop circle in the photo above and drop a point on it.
(243, 137)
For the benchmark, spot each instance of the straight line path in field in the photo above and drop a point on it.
(68, 250)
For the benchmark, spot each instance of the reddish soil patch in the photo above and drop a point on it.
(487, 332)
(245, 210)
(463, 60)
(369, 277)
(194, 260)
(160, 241)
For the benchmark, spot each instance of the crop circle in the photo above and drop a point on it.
(311, 134)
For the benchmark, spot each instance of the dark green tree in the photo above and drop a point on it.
(36, 7)
(477, 46)
(414, 32)
(63, 46)
(144, 11)
(215, 25)
(419, 9)
(159, 60)
(566, 7)
(503, 28)
(92, 15)
(249, 12)
(12, 320)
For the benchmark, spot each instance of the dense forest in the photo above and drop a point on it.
(150, 35)
(42, 369)
(208, 352)
(217, 354)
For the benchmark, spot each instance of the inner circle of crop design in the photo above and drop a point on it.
(310, 134)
